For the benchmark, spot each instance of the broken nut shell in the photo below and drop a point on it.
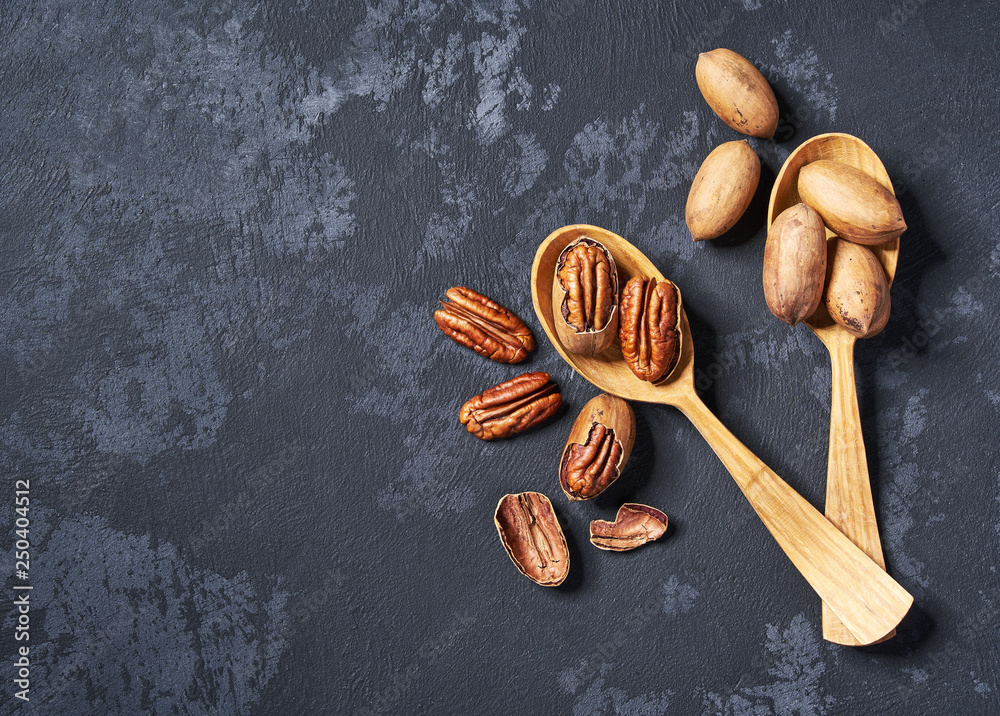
(634, 526)
(533, 538)
(598, 447)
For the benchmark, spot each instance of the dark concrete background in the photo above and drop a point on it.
(225, 227)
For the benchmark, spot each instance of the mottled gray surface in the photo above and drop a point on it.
(225, 226)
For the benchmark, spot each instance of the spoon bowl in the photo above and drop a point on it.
(849, 502)
(868, 602)
(848, 150)
(608, 370)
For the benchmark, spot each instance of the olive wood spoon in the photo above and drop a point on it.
(865, 598)
(849, 502)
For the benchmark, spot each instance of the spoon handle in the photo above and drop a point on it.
(849, 503)
(866, 599)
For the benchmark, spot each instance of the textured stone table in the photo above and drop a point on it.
(225, 229)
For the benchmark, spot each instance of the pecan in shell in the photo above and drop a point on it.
(585, 296)
(491, 330)
(511, 407)
(650, 327)
(634, 526)
(533, 538)
(598, 447)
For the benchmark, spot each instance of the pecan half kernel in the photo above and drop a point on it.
(511, 407)
(533, 538)
(649, 327)
(491, 330)
(585, 296)
(591, 467)
(599, 445)
(634, 526)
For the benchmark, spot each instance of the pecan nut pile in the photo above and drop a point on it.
(491, 330)
(650, 327)
(533, 538)
(634, 526)
(511, 407)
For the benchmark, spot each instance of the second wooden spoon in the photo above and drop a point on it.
(849, 503)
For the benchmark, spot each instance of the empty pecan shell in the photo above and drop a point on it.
(485, 326)
(650, 327)
(634, 526)
(533, 538)
(599, 445)
(585, 297)
(511, 407)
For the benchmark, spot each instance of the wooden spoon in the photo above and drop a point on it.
(848, 491)
(865, 598)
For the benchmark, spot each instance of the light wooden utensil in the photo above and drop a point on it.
(848, 490)
(867, 600)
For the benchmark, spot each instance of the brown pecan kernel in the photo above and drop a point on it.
(532, 537)
(585, 297)
(649, 327)
(585, 273)
(511, 407)
(485, 326)
(634, 526)
(591, 467)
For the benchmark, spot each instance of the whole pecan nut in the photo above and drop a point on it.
(533, 538)
(634, 526)
(599, 445)
(511, 407)
(649, 327)
(491, 330)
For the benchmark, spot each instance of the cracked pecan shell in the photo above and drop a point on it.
(533, 538)
(476, 322)
(598, 447)
(650, 327)
(511, 407)
(585, 297)
(634, 526)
